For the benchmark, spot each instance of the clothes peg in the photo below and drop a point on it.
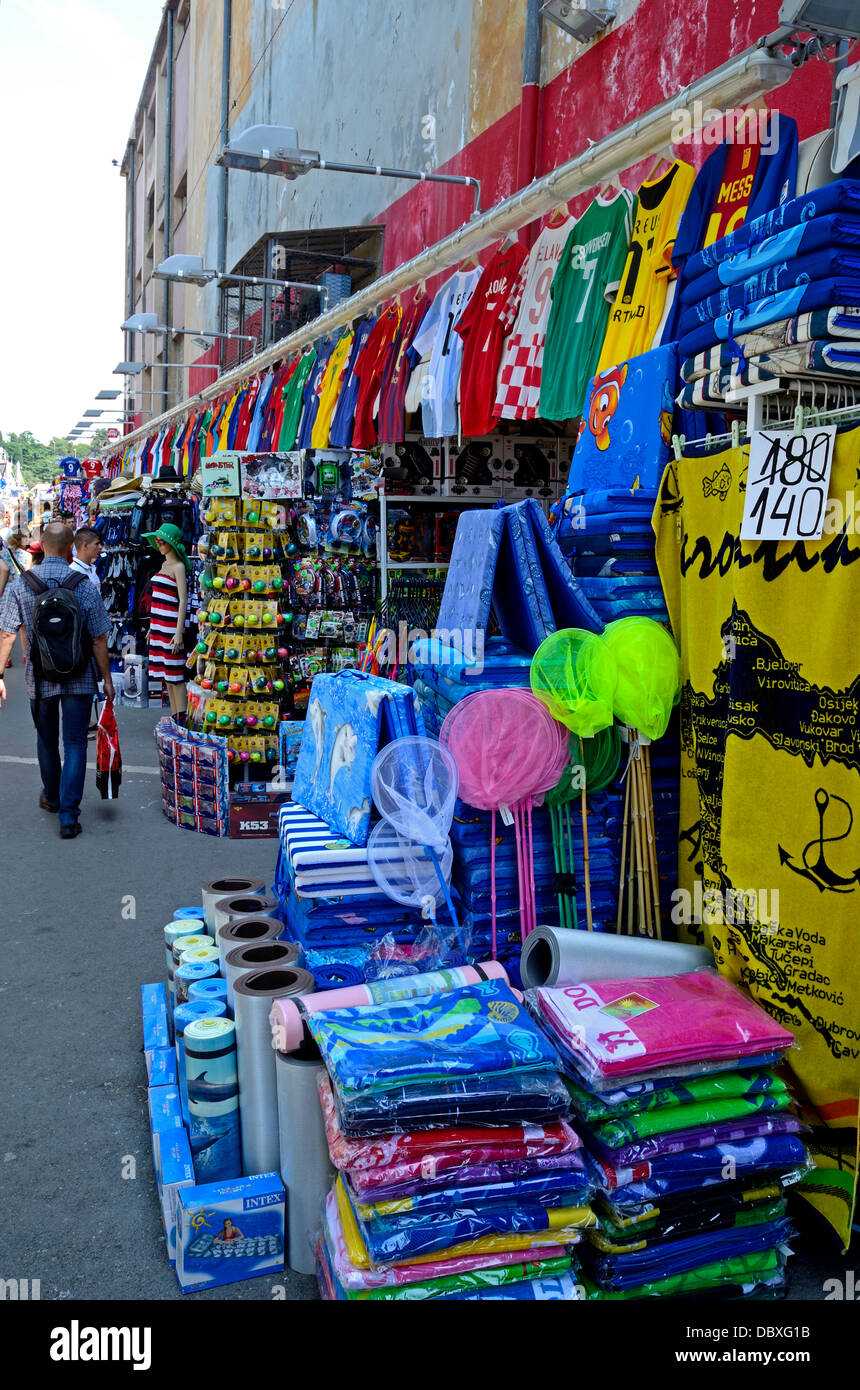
(736, 434)
(799, 413)
(678, 442)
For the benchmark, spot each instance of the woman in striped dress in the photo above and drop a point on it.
(167, 617)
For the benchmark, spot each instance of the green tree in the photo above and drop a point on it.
(38, 461)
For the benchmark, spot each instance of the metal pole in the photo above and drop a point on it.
(226, 39)
(131, 204)
(382, 171)
(168, 181)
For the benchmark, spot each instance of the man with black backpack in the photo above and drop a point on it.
(66, 624)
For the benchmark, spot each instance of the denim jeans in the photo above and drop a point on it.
(63, 784)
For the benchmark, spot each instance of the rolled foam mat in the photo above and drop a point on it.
(188, 941)
(288, 1026)
(208, 991)
(244, 931)
(258, 1090)
(223, 888)
(189, 971)
(187, 1013)
(172, 933)
(262, 955)
(559, 956)
(212, 1085)
(305, 1166)
(242, 905)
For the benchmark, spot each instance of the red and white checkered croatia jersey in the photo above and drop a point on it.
(518, 387)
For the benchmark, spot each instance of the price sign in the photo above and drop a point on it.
(788, 481)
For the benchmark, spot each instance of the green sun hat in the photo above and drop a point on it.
(172, 535)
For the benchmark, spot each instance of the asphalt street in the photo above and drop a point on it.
(74, 1080)
(74, 1083)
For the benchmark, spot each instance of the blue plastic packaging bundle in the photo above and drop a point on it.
(212, 1083)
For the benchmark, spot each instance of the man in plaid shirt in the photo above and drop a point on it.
(62, 782)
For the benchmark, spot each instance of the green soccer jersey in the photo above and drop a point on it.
(293, 393)
(587, 277)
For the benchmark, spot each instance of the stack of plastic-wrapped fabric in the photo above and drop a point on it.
(778, 297)
(689, 1131)
(458, 1175)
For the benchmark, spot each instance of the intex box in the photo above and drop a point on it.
(165, 1117)
(177, 1172)
(227, 1231)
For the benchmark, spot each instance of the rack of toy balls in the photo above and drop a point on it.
(240, 656)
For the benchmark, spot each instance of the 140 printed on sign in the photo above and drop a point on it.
(788, 481)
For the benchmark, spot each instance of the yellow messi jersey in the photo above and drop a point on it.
(330, 390)
(638, 307)
(769, 842)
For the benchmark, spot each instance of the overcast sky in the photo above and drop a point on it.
(70, 75)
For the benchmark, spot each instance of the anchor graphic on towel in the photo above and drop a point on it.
(820, 872)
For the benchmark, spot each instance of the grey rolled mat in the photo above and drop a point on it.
(246, 931)
(226, 888)
(243, 905)
(258, 1088)
(558, 956)
(261, 955)
(305, 1166)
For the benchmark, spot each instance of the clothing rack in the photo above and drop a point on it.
(781, 408)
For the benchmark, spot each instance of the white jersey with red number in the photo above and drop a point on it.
(518, 389)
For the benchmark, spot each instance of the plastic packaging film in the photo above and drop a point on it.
(187, 1013)
(288, 1027)
(305, 1167)
(244, 931)
(226, 888)
(258, 1091)
(189, 971)
(264, 955)
(554, 956)
(212, 1085)
(243, 905)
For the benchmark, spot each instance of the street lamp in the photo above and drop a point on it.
(148, 323)
(583, 19)
(833, 19)
(274, 149)
(184, 268)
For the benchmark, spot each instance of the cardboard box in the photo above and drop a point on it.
(476, 468)
(152, 999)
(177, 1172)
(254, 814)
(165, 1117)
(156, 1035)
(162, 1071)
(227, 1231)
(414, 468)
(531, 467)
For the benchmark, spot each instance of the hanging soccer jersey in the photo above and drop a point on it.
(330, 389)
(340, 433)
(369, 369)
(706, 217)
(589, 270)
(392, 394)
(518, 390)
(311, 395)
(635, 316)
(482, 325)
(436, 338)
(293, 401)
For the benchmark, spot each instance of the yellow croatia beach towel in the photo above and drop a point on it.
(769, 842)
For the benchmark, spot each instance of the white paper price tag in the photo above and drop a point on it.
(788, 481)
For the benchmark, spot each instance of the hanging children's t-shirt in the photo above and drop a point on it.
(436, 338)
(588, 273)
(770, 755)
(311, 395)
(482, 325)
(638, 307)
(518, 389)
(330, 389)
